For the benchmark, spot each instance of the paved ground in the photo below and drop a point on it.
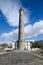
(20, 58)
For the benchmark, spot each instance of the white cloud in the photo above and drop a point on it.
(11, 10)
(7, 37)
(30, 31)
(35, 29)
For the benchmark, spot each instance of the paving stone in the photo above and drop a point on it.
(18, 57)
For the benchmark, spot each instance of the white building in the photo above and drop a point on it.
(27, 45)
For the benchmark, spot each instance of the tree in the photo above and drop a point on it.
(36, 44)
(42, 46)
(4, 45)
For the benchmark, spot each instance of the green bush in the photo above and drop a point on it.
(37, 44)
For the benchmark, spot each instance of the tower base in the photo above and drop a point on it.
(20, 45)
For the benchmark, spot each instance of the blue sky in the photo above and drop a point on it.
(9, 19)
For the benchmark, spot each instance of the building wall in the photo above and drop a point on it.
(27, 45)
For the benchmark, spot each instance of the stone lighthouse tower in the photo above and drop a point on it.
(21, 30)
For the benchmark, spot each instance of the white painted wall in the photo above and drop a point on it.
(27, 45)
(13, 45)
